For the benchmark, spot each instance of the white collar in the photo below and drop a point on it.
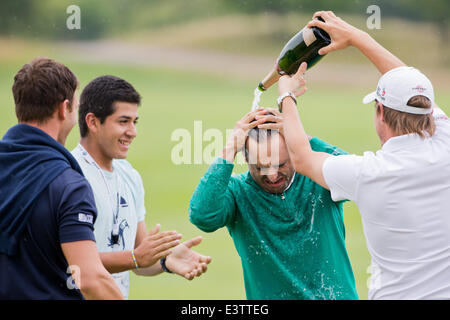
(404, 141)
(89, 159)
(290, 183)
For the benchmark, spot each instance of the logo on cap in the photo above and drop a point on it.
(419, 88)
(381, 92)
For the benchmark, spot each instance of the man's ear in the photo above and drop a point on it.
(63, 109)
(381, 112)
(92, 122)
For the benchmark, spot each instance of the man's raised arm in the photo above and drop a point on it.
(304, 159)
(212, 205)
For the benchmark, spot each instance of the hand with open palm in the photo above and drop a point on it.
(186, 262)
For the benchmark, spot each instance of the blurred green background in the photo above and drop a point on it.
(201, 61)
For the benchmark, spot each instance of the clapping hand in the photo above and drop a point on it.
(186, 262)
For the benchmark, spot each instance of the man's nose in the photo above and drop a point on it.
(132, 131)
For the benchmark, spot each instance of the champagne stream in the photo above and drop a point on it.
(256, 98)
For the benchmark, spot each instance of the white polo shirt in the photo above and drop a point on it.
(403, 194)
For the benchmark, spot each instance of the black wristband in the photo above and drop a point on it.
(163, 265)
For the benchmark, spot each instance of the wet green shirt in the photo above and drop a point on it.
(291, 245)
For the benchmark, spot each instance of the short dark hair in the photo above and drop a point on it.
(99, 96)
(39, 87)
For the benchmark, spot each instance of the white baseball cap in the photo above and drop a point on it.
(398, 85)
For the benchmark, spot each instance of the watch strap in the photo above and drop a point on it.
(163, 265)
(283, 96)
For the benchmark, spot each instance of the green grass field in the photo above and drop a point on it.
(173, 100)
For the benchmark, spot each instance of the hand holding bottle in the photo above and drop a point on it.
(341, 33)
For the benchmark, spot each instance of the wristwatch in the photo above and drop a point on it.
(285, 95)
(163, 265)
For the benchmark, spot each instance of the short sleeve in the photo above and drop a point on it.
(76, 209)
(341, 173)
(140, 198)
(133, 179)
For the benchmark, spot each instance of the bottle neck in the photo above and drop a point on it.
(272, 77)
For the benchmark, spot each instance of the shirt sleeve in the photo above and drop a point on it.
(76, 210)
(140, 198)
(212, 205)
(342, 175)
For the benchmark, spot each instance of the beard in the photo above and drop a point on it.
(277, 186)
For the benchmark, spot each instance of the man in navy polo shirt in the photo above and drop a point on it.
(47, 208)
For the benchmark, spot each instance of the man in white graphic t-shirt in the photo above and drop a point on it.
(402, 190)
(107, 121)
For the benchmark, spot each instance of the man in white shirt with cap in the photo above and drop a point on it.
(402, 190)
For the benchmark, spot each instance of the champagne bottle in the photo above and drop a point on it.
(304, 46)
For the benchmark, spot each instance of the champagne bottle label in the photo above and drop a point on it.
(308, 36)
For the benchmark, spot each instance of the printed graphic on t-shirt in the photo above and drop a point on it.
(123, 202)
(118, 239)
(82, 217)
(112, 240)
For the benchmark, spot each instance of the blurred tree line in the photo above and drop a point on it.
(47, 18)
(434, 11)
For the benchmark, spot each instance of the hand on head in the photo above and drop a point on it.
(236, 141)
(273, 120)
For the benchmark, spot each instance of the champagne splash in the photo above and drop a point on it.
(256, 98)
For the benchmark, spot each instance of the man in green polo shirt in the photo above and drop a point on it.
(288, 232)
